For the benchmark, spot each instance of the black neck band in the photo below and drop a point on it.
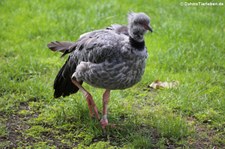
(137, 44)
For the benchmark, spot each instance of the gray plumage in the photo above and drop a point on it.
(111, 58)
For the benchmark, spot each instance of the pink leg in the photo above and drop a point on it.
(104, 120)
(90, 101)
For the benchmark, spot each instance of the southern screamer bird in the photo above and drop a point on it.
(112, 58)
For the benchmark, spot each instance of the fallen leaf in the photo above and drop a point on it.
(159, 84)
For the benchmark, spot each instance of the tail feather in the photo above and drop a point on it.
(59, 46)
(63, 85)
(64, 46)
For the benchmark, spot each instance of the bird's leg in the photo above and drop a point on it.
(104, 120)
(90, 101)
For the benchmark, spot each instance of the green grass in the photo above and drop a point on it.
(187, 45)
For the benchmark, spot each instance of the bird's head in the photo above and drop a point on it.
(138, 25)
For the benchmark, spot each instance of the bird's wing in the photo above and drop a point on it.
(98, 46)
(117, 28)
(120, 29)
(67, 47)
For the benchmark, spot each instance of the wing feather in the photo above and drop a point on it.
(99, 46)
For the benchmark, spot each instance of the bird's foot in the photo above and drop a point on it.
(104, 121)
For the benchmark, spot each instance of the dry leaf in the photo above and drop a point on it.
(158, 84)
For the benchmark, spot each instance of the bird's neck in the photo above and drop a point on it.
(137, 44)
(136, 37)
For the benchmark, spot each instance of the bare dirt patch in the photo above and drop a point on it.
(17, 124)
(204, 136)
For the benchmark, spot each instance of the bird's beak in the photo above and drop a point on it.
(149, 28)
